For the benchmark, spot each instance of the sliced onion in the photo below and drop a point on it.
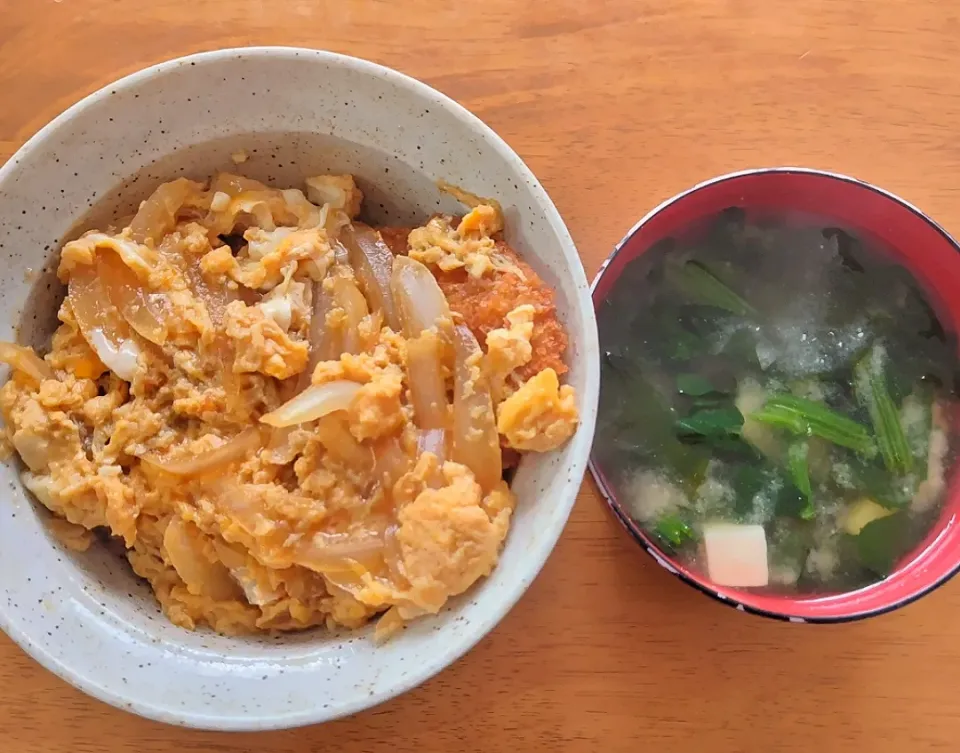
(348, 297)
(313, 403)
(215, 298)
(101, 324)
(25, 360)
(307, 214)
(391, 462)
(252, 577)
(427, 389)
(393, 556)
(141, 259)
(144, 312)
(467, 198)
(388, 625)
(231, 382)
(340, 254)
(334, 434)
(329, 548)
(234, 185)
(342, 558)
(183, 543)
(120, 359)
(372, 261)
(325, 344)
(476, 443)
(248, 196)
(158, 214)
(433, 441)
(239, 507)
(241, 447)
(420, 303)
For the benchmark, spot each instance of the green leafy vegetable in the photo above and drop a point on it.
(805, 418)
(699, 285)
(881, 542)
(694, 385)
(799, 468)
(848, 248)
(741, 348)
(673, 531)
(638, 423)
(875, 482)
(711, 422)
(870, 383)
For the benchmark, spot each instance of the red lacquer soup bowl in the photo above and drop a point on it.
(925, 249)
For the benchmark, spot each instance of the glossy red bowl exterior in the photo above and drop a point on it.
(924, 248)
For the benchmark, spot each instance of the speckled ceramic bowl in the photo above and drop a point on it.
(296, 113)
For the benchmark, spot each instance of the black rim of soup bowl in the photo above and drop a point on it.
(639, 536)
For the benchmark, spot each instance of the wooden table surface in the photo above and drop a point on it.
(615, 105)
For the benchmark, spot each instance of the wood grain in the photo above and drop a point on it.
(615, 105)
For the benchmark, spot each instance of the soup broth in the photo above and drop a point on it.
(774, 402)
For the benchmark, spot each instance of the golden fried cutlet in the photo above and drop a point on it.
(484, 303)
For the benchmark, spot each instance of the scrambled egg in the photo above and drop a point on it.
(509, 349)
(242, 418)
(470, 246)
(539, 416)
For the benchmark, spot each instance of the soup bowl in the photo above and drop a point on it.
(922, 247)
(284, 114)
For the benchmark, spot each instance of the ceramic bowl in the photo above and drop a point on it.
(295, 113)
(922, 247)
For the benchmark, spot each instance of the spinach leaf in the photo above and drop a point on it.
(870, 382)
(881, 543)
(876, 482)
(711, 422)
(699, 285)
(673, 532)
(694, 385)
(804, 417)
(799, 468)
(741, 347)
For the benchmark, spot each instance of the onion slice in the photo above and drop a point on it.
(391, 461)
(25, 360)
(467, 198)
(134, 303)
(183, 543)
(265, 204)
(420, 302)
(242, 446)
(328, 550)
(101, 324)
(432, 441)
(158, 214)
(372, 260)
(313, 403)
(324, 343)
(476, 443)
(349, 298)
(427, 389)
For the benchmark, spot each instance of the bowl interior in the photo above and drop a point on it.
(924, 248)
(295, 113)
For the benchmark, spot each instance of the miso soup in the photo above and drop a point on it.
(774, 402)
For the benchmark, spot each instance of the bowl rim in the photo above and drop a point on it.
(647, 543)
(581, 310)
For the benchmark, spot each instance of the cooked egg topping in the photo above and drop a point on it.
(284, 425)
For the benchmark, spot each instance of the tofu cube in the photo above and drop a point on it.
(736, 554)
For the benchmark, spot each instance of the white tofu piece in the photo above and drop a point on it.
(736, 554)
